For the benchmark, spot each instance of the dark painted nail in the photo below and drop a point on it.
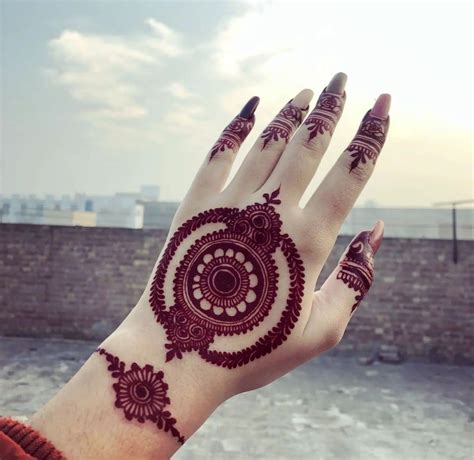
(249, 109)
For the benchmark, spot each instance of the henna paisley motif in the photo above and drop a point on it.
(227, 282)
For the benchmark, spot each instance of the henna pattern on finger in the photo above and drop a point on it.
(357, 267)
(141, 393)
(325, 115)
(226, 283)
(233, 135)
(283, 125)
(369, 140)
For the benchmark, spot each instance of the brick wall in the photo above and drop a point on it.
(75, 282)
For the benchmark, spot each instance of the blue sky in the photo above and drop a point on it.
(100, 97)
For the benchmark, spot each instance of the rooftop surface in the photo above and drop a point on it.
(330, 409)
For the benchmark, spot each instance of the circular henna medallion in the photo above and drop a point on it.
(141, 393)
(225, 283)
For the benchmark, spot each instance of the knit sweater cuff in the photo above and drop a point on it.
(20, 442)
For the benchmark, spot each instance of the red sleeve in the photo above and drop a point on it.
(20, 442)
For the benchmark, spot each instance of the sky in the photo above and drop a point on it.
(101, 97)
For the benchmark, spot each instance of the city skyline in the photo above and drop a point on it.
(99, 99)
(144, 209)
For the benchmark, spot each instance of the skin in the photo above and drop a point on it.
(81, 419)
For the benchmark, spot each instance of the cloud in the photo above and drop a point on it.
(282, 45)
(165, 40)
(102, 72)
(154, 92)
(179, 91)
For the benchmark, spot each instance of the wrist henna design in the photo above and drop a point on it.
(233, 135)
(141, 393)
(284, 124)
(227, 282)
(357, 267)
(368, 141)
(326, 114)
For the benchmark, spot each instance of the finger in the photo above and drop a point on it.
(341, 294)
(336, 195)
(211, 177)
(301, 158)
(265, 153)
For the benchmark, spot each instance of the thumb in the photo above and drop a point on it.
(340, 295)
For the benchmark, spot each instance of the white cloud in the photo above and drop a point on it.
(101, 71)
(272, 50)
(179, 91)
(184, 119)
(165, 40)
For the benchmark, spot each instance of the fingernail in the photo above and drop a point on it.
(337, 84)
(381, 106)
(302, 99)
(376, 236)
(249, 109)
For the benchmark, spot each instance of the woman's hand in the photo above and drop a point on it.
(230, 305)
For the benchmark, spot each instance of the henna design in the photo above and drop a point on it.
(226, 283)
(325, 115)
(284, 124)
(237, 130)
(232, 136)
(141, 393)
(368, 141)
(357, 267)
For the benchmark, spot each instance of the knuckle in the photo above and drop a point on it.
(359, 172)
(270, 145)
(313, 146)
(223, 156)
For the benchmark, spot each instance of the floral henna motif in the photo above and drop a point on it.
(326, 114)
(232, 136)
(368, 141)
(237, 130)
(226, 283)
(357, 267)
(141, 393)
(283, 125)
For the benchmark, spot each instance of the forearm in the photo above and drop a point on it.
(83, 419)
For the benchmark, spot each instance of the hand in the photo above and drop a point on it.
(234, 285)
(231, 303)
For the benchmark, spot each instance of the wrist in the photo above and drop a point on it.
(94, 405)
(194, 391)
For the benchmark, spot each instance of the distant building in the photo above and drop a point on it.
(150, 192)
(159, 214)
(412, 222)
(84, 219)
(143, 210)
(119, 210)
(31, 210)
